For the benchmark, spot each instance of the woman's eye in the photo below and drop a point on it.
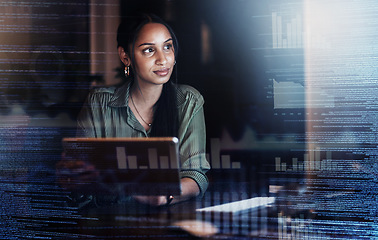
(168, 46)
(148, 50)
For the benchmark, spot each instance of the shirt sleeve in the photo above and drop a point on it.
(89, 122)
(193, 145)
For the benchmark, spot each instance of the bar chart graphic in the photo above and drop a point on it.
(155, 161)
(295, 228)
(287, 31)
(311, 161)
(128, 161)
(219, 161)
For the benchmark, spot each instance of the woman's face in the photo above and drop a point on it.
(154, 54)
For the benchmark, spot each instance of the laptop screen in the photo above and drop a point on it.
(148, 166)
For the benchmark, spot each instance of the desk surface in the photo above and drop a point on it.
(290, 217)
(34, 210)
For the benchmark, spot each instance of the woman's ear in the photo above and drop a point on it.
(125, 59)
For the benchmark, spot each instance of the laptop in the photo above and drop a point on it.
(129, 166)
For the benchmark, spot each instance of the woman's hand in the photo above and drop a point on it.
(189, 189)
(152, 200)
(75, 174)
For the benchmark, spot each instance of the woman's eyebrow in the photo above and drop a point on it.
(146, 44)
(170, 39)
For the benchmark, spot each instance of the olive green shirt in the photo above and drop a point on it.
(107, 114)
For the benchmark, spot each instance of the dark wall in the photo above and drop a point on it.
(216, 78)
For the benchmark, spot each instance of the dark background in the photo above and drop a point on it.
(49, 78)
(45, 75)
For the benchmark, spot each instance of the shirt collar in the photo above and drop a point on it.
(121, 96)
(181, 98)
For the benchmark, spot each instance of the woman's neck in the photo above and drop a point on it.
(146, 95)
(142, 102)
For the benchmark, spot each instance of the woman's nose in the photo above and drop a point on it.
(160, 58)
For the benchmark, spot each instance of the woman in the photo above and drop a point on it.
(149, 104)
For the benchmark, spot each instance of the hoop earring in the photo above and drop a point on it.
(127, 71)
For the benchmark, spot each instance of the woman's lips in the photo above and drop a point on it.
(162, 72)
